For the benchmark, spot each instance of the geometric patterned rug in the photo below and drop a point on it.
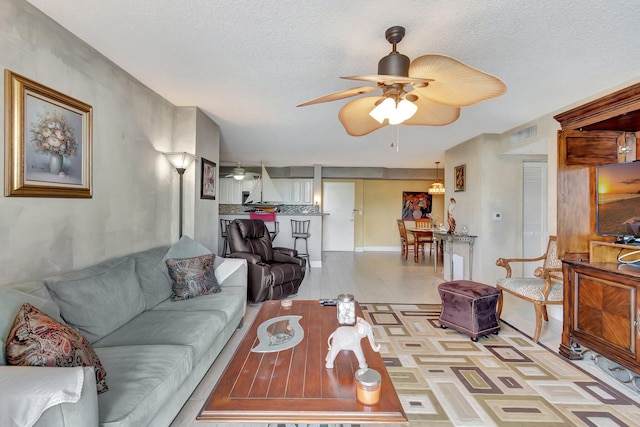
(445, 379)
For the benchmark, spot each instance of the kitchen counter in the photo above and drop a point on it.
(287, 214)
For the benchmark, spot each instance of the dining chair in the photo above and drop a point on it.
(425, 223)
(545, 288)
(407, 240)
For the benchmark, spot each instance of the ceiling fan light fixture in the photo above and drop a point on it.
(238, 175)
(440, 87)
(396, 114)
(403, 111)
(383, 110)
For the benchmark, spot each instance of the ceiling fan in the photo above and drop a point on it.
(238, 173)
(426, 92)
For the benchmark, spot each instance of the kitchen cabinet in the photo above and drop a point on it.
(297, 191)
(302, 191)
(231, 190)
(284, 189)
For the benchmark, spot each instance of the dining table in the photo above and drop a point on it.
(418, 233)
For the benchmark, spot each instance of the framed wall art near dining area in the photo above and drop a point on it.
(415, 204)
(48, 140)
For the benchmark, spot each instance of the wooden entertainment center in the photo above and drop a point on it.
(601, 296)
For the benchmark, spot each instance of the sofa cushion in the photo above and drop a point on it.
(192, 277)
(186, 247)
(10, 303)
(98, 300)
(141, 377)
(169, 327)
(231, 301)
(39, 340)
(154, 280)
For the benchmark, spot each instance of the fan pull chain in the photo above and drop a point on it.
(395, 137)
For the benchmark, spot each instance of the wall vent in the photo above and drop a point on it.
(523, 134)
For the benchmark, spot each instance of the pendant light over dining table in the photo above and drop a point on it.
(437, 187)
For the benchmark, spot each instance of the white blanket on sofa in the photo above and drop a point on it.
(22, 403)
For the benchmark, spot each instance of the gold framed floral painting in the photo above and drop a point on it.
(48, 139)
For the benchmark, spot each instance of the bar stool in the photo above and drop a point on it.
(267, 217)
(300, 230)
(224, 224)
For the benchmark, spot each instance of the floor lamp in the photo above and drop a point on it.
(181, 162)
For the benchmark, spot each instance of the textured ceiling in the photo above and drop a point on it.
(247, 64)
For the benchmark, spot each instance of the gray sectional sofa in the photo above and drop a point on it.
(155, 351)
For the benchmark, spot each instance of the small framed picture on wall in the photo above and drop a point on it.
(208, 187)
(461, 177)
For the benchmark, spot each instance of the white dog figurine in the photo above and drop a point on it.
(348, 338)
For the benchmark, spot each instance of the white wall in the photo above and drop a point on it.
(493, 184)
(134, 204)
(206, 224)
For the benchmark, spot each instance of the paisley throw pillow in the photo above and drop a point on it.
(192, 277)
(36, 339)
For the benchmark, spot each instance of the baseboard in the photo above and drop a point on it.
(377, 249)
(381, 249)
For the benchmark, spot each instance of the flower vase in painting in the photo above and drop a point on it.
(416, 205)
(52, 134)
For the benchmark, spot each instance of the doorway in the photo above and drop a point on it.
(338, 200)
(534, 213)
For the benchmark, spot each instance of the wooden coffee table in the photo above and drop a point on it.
(293, 386)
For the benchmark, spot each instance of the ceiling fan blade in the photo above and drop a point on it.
(388, 80)
(455, 83)
(431, 113)
(355, 117)
(339, 95)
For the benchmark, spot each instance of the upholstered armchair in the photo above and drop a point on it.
(274, 273)
(546, 288)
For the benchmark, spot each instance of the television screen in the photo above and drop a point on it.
(618, 208)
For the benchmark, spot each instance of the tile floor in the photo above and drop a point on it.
(378, 277)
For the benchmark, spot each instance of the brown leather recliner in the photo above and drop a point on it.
(274, 273)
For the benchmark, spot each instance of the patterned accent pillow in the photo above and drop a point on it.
(192, 277)
(36, 339)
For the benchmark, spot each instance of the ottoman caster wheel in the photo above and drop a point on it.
(496, 332)
(474, 339)
(443, 326)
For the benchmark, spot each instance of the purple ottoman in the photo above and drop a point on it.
(469, 308)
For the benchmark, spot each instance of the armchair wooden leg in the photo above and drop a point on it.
(545, 316)
(539, 310)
